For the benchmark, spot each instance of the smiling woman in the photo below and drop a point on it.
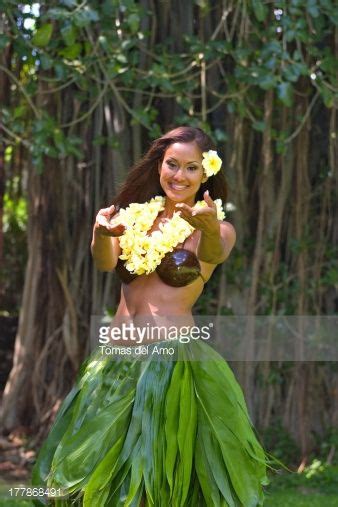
(181, 172)
(156, 432)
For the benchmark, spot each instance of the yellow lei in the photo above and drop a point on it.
(143, 252)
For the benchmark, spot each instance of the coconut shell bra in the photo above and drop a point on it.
(177, 269)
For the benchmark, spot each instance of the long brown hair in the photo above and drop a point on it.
(143, 180)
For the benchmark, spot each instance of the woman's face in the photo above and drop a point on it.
(181, 172)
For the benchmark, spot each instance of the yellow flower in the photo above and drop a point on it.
(220, 211)
(144, 253)
(219, 208)
(211, 163)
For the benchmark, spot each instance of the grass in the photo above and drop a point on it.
(293, 498)
(317, 486)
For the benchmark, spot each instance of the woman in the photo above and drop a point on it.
(159, 433)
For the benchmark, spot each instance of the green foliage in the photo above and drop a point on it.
(280, 443)
(260, 10)
(88, 42)
(291, 498)
(15, 214)
(15, 246)
(328, 445)
(42, 35)
(51, 140)
(317, 477)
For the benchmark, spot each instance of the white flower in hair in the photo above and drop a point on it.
(211, 163)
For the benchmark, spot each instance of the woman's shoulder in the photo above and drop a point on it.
(228, 230)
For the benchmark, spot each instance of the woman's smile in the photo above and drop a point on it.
(175, 186)
(181, 172)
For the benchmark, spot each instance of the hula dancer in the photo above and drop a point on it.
(159, 433)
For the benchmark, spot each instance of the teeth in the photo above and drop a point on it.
(179, 187)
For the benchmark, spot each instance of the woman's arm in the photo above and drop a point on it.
(216, 244)
(105, 251)
(105, 245)
(217, 238)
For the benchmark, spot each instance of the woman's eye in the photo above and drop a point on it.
(171, 164)
(192, 168)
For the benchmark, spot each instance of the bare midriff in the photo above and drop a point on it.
(148, 295)
(147, 299)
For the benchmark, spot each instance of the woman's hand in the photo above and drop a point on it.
(103, 224)
(204, 219)
(217, 238)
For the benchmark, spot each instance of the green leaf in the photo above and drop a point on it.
(58, 13)
(272, 47)
(97, 489)
(120, 57)
(50, 151)
(69, 34)
(71, 52)
(290, 35)
(271, 63)
(136, 476)
(59, 141)
(208, 485)
(221, 136)
(157, 382)
(260, 10)
(329, 63)
(69, 3)
(61, 423)
(312, 8)
(171, 425)
(133, 21)
(281, 147)
(293, 71)
(99, 140)
(46, 62)
(203, 4)
(217, 467)
(186, 434)
(71, 149)
(327, 95)
(85, 16)
(20, 111)
(267, 81)
(285, 93)
(259, 125)
(60, 69)
(43, 35)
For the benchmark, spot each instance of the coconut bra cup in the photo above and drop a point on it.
(177, 269)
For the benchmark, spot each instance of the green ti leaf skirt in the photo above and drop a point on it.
(154, 433)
